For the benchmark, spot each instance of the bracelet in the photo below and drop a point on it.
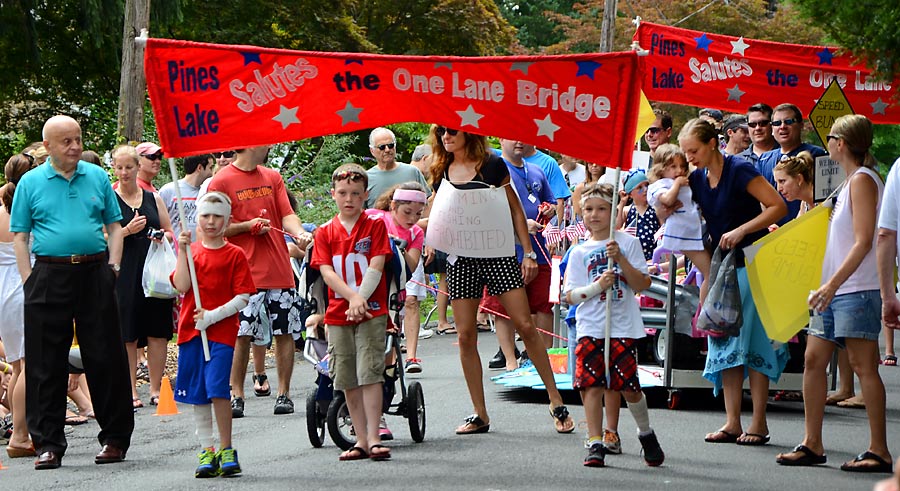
(5, 367)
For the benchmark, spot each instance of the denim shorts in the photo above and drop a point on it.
(852, 315)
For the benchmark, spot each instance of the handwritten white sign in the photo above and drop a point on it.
(471, 222)
(828, 176)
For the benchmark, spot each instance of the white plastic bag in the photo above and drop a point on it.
(158, 266)
(722, 312)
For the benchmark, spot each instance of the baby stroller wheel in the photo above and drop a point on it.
(315, 420)
(415, 411)
(338, 422)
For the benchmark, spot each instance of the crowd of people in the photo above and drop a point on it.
(726, 183)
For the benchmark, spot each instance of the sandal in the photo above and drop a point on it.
(447, 330)
(136, 402)
(259, 381)
(473, 424)
(384, 455)
(807, 457)
(889, 361)
(76, 420)
(752, 439)
(154, 400)
(355, 453)
(562, 421)
(721, 436)
(881, 465)
(483, 327)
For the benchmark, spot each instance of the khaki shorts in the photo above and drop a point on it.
(357, 353)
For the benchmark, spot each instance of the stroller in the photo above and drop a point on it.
(327, 408)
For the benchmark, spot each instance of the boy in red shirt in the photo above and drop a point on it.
(225, 283)
(350, 252)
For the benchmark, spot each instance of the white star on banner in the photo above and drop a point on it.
(546, 127)
(287, 116)
(879, 106)
(349, 114)
(469, 117)
(521, 66)
(738, 47)
(735, 93)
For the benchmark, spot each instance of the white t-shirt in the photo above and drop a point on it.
(587, 262)
(574, 176)
(841, 239)
(189, 196)
(890, 202)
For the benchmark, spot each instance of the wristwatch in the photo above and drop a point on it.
(115, 267)
(530, 255)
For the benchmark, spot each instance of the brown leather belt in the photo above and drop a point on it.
(73, 259)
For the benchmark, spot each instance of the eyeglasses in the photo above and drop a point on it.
(653, 130)
(788, 122)
(153, 156)
(229, 154)
(828, 138)
(762, 124)
(440, 130)
(348, 175)
(386, 145)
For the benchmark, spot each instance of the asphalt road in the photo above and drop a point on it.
(522, 451)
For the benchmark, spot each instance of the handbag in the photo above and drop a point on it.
(722, 312)
(158, 266)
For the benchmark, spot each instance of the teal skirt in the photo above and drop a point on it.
(752, 349)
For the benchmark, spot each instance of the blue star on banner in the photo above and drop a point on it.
(824, 56)
(703, 42)
(352, 61)
(587, 68)
(251, 58)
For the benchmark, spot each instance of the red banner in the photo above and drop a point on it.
(729, 73)
(210, 97)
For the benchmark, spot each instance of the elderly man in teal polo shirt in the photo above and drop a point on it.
(64, 205)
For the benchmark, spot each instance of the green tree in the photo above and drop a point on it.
(535, 27)
(867, 28)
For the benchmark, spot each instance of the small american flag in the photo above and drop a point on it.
(631, 228)
(659, 233)
(576, 231)
(552, 234)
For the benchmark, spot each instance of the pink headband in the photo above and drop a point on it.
(410, 195)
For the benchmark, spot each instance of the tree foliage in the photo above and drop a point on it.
(868, 29)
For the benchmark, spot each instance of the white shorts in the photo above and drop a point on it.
(12, 313)
(414, 289)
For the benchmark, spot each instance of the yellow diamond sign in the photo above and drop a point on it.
(832, 105)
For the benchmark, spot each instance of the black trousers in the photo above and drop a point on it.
(55, 296)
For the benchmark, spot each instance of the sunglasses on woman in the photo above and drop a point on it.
(153, 156)
(227, 154)
(440, 130)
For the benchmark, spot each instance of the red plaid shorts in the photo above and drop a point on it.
(591, 372)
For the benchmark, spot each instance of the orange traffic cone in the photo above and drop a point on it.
(1, 466)
(166, 405)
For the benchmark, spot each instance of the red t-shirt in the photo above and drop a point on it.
(350, 256)
(255, 194)
(221, 274)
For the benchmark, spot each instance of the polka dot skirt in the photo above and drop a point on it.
(467, 276)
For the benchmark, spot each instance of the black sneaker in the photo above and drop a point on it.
(595, 456)
(523, 357)
(653, 453)
(498, 362)
(284, 405)
(237, 407)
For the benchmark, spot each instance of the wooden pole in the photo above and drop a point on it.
(132, 83)
(608, 26)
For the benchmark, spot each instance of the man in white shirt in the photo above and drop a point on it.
(197, 168)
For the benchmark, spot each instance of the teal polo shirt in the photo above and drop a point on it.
(65, 216)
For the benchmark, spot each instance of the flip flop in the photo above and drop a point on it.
(483, 327)
(834, 399)
(355, 453)
(881, 465)
(136, 402)
(260, 380)
(852, 403)
(757, 439)
(449, 330)
(560, 416)
(889, 361)
(476, 424)
(381, 455)
(76, 420)
(721, 436)
(807, 458)
(154, 400)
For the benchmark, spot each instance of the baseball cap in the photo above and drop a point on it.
(148, 148)
(734, 122)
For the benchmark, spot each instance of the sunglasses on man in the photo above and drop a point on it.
(229, 154)
(788, 121)
(153, 156)
(761, 124)
(653, 130)
(386, 145)
(440, 131)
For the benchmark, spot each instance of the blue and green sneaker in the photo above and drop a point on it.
(209, 464)
(228, 462)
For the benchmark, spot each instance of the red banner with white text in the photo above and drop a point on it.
(733, 73)
(210, 97)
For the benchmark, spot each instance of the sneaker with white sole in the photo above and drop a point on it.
(611, 442)
(383, 431)
(425, 333)
(413, 365)
(284, 405)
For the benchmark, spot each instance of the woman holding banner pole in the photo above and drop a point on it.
(464, 162)
(729, 192)
(849, 302)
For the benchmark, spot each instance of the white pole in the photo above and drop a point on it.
(609, 266)
(187, 250)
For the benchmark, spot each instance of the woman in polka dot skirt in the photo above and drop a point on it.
(464, 161)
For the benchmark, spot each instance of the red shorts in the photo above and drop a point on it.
(590, 370)
(538, 291)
